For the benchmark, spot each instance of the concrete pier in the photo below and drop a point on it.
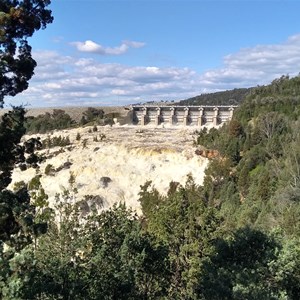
(215, 117)
(172, 114)
(200, 118)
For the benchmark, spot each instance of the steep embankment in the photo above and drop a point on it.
(118, 162)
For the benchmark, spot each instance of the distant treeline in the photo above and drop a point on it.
(231, 97)
(59, 119)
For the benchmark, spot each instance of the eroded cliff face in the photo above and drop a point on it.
(114, 162)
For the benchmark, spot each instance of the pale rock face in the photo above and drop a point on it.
(115, 167)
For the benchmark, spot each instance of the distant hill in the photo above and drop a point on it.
(231, 97)
(74, 112)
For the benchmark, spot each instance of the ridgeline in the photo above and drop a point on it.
(230, 97)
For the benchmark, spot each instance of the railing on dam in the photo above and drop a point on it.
(181, 115)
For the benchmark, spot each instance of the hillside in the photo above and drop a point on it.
(230, 97)
(261, 151)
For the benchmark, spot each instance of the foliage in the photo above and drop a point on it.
(84, 143)
(59, 119)
(179, 250)
(17, 214)
(149, 199)
(231, 97)
(18, 223)
(217, 176)
(239, 268)
(55, 141)
(96, 116)
(184, 223)
(210, 259)
(287, 268)
(18, 21)
(92, 114)
(78, 136)
(15, 272)
(260, 145)
(49, 170)
(106, 256)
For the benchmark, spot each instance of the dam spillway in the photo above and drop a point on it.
(181, 115)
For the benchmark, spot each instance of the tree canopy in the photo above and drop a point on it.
(19, 19)
(230, 97)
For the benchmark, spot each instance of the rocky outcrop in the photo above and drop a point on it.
(207, 153)
(114, 168)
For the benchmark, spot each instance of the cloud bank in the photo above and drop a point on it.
(92, 47)
(257, 65)
(64, 80)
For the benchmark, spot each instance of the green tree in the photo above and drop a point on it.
(19, 19)
(59, 269)
(16, 212)
(240, 267)
(217, 175)
(103, 256)
(149, 199)
(18, 226)
(47, 122)
(135, 264)
(184, 222)
(92, 114)
(287, 268)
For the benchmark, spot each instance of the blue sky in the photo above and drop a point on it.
(101, 52)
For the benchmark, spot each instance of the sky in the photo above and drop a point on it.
(119, 52)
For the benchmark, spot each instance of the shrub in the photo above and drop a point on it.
(102, 136)
(47, 122)
(56, 141)
(49, 170)
(105, 181)
(84, 143)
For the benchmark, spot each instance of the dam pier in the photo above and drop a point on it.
(181, 115)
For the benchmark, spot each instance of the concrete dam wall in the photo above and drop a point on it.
(181, 115)
(153, 114)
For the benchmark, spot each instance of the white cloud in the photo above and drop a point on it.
(257, 65)
(65, 80)
(134, 44)
(92, 47)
